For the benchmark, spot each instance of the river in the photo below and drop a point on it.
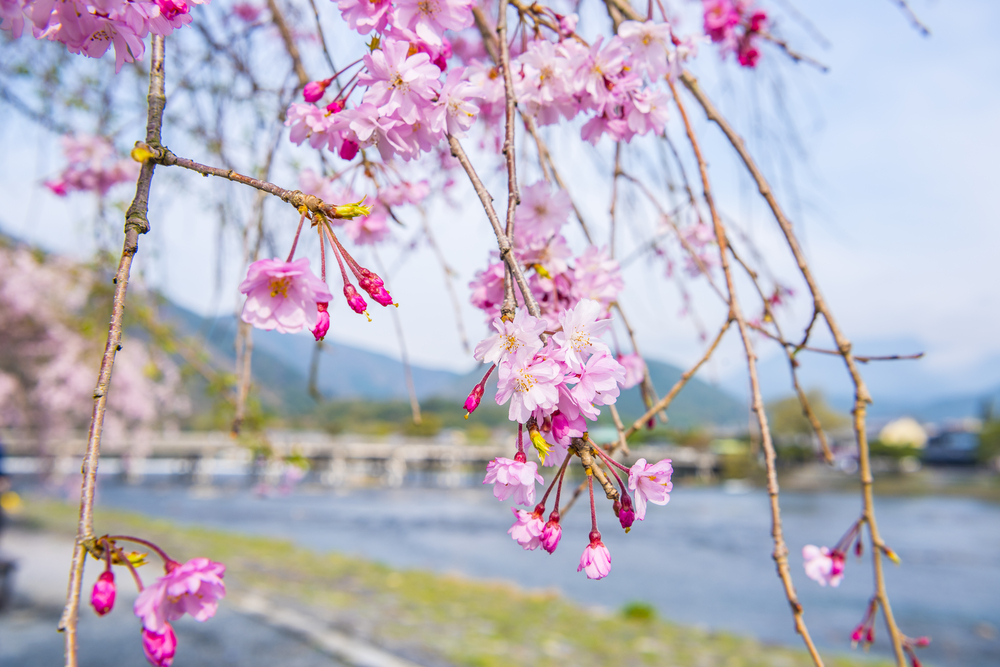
(702, 560)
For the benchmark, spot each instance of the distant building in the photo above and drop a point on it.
(952, 447)
(903, 432)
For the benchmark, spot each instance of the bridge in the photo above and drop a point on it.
(205, 458)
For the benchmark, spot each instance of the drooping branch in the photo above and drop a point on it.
(506, 250)
(136, 223)
(289, 40)
(780, 553)
(861, 395)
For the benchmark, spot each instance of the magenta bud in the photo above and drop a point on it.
(595, 538)
(159, 648)
(323, 325)
(171, 9)
(335, 106)
(858, 633)
(314, 90)
(551, 533)
(348, 149)
(626, 516)
(355, 300)
(520, 457)
(757, 21)
(923, 641)
(381, 296)
(102, 598)
(472, 402)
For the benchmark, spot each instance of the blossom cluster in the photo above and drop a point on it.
(193, 588)
(558, 280)
(91, 27)
(93, 164)
(735, 25)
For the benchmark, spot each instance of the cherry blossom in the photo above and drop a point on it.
(428, 19)
(581, 331)
(823, 565)
(596, 559)
(102, 597)
(551, 533)
(511, 337)
(513, 478)
(159, 647)
(366, 15)
(651, 483)
(529, 382)
(635, 369)
(282, 295)
(194, 588)
(649, 44)
(527, 529)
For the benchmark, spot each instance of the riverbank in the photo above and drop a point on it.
(952, 482)
(433, 619)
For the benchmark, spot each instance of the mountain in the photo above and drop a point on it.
(281, 365)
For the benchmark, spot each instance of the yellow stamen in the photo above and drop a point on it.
(280, 286)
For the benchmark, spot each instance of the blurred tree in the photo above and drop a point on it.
(787, 418)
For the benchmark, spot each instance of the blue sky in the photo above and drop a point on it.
(894, 199)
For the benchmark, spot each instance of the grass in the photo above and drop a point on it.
(437, 618)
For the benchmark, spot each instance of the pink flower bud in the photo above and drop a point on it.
(315, 90)
(551, 533)
(102, 598)
(381, 296)
(323, 325)
(626, 515)
(335, 106)
(923, 641)
(858, 633)
(355, 300)
(348, 149)
(159, 648)
(472, 402)
(596, 559)
(171, 9)
(758, 21)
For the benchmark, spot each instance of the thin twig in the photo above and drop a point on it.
(289, 40)
(914, 19)
(506, 251)
(136, 223)
(794, 55)
(665, 402)
(780, 553)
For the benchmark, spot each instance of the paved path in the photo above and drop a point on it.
(246, 632)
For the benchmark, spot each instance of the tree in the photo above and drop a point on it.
(387, 131)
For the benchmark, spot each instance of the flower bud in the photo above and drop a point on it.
(541, 446)
(159, 648)
(551, 533)
(922, 642)
(323, 325)
(348, 149)
(314, 90)
(381, 296)
(858, 633)
(335, 106)
(472, 402)
(626, 516)
(102, 598)
(758, 21)
(355, 300)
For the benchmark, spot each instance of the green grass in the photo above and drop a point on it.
(412, 612)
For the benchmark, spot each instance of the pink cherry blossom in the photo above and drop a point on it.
(323, 324)
(529, 382)
(513, 478)
(596, 559)
(823, 565)
(428, 19)
(102, 597)
(370, 229)
(194, 588)
(527, 529)
(581, 331)
(159, 647)
(598, 380)
(400, 84)
(651, 483)
(404, 193)
(551, 533)
(366, 15)
(521, 333)
(455, 102)
(649, 44)
(597, 276)
(282, 295)
(635, 369)
(541, 213)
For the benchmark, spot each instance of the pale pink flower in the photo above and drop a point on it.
(651, 483)
(551, 533)
(581, 332)
(823, 565)
(635, 369)
(366, 15)
(598, 380)
(541, 213)
(648, 111)
(282, 295)
(399, 84)
(527, 529)
(194, 588)
(370, 229)
(159, 647)
(455, 100)
(521, 333)
(596, 559)
(102, 598)
(487, 289)
(530, 382)
(246, 11)
(404, 193)
(649, 43)
(512, 478)
(428, 19)
(597, 276)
